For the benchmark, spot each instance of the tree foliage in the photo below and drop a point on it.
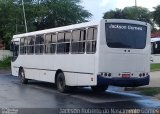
(134, 13)
(40, 14)
(116, 14)
(59, 13)
(156, 15)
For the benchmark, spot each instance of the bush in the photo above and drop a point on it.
(5, 62)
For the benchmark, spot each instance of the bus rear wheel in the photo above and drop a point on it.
(22, 77)
(61, 83)
(99, 88)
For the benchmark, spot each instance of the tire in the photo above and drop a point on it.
(22, 78)
(61, 83)
(99, 88)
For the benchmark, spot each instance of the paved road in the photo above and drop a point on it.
(45, 97)
(154, 79)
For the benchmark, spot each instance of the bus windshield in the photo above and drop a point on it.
(124, 35)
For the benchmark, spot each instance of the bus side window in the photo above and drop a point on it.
(53, 44)
(91, 40)
(30, 45)
(50, 43)
(68, 36)
(16, 50)
(78, 41)
(63, 44)
(22, 45)
(48, 40)
(39, 44)
(60, 43)
(25, 45)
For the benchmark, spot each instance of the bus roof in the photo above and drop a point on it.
(75, 26)
(63, 28)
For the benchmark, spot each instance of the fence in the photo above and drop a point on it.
(4, 53)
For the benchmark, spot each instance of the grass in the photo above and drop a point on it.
(5, 63)
(155, 67)
(150, 91)
(147, 91)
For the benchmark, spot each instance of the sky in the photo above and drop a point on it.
(99, 7)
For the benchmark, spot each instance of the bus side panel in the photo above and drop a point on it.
(15, 67)
(78, 68)
(42, 75)
(71, 78)
(14, 71)
(85, 79)
(76, 79)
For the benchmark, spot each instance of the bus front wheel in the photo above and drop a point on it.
(99, 88)
(22, 77)
(60, 83)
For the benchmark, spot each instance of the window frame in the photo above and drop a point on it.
(52, 43)
(20, 46)
(39, 44)
(64, 42)
(79, 41)
(93, 40)
(28, 45)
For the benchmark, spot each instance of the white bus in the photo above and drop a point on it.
(96, 54)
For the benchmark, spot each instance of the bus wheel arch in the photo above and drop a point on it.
(60, 81)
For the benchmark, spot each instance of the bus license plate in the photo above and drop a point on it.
(125, 75)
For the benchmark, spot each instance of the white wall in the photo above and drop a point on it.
(4, 53)
(155, 58)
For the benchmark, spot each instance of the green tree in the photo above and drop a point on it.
(7, 20)
(156, 15)
(44, 14)
(40, 14)
(134, 13)
(116, 14)
(55, 13)
(138, 13)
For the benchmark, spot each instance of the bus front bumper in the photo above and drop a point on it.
(123, 82)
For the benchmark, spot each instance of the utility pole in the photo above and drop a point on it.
(24, 14)
(16, 26)
(135, 3)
